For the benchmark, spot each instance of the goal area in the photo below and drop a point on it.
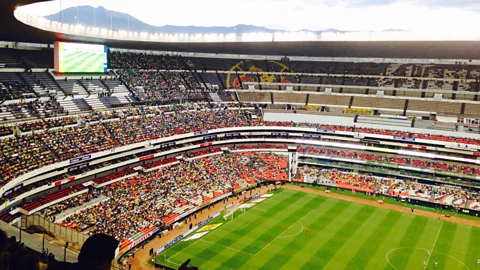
(231, 209)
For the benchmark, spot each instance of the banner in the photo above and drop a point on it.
(311, 107)
(404, 138)
(358, 111)
(146, 157)
(311, 136)
(166, 145)
(181, 236)
(79, 159)
(280, 134)
(134, 241)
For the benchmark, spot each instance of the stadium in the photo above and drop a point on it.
(130, 144)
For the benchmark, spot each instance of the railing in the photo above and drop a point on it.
(67, 234)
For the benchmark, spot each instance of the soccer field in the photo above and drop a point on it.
(341, 235)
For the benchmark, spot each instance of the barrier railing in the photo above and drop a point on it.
(67, 234)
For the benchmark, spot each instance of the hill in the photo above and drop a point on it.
(100, 17)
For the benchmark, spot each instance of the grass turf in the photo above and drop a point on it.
(342, 235)
(389, 200)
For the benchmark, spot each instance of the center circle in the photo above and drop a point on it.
(390, 257)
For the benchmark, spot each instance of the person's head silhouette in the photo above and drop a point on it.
(98, 252)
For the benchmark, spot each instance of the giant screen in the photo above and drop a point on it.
(80, 58)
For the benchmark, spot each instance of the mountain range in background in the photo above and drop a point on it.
(103, 18)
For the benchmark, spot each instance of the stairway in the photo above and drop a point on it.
(215, 97)
(95, 103)
(124, 99)
(72, 88)
(68, 105)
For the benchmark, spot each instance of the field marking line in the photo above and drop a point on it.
(236, 229)
(168, 257)
(251, 254)
(285, 231)
(297, 233)
(299, 206)
(258, 209)
(388, 260)
(168, 260)
(434, 243)
(424, 249)
(250, 222)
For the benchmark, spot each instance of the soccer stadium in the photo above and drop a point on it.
(206, 135)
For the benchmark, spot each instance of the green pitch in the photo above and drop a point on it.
(342, 235)
(79, 62)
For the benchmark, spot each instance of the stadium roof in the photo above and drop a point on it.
(17, 31)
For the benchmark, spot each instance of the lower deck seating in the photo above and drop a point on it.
(7, 217)
(52, 197)
(159, 163)
(116, 175)
(204, 152)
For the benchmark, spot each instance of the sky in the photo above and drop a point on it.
(434, 16)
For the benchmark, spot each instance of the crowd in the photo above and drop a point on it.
(393, 159)
(146, 77)
(161, 85)
(20, 155)
(258, 146)
(93, 134)
(5, 130)
(391, 186)
(53, 210)
(47, 123)
(125, 60)
(142, 201)
(36, 108)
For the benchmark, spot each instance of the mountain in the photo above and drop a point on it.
(104, 18)
(100, 17)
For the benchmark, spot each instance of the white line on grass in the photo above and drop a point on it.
(169, 257)
(297, 233)
(434, 243)
(251, 221)
(295, 205)
(387, 256)
(235, 229)
(285, 230)
(258, 209)
(251, 254)
(168, 260)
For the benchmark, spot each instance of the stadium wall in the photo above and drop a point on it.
(298, 117)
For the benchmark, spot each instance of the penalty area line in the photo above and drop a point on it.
(238, 250)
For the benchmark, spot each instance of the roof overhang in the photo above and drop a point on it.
(20, 32)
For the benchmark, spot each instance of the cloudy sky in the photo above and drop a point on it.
(438, 16)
